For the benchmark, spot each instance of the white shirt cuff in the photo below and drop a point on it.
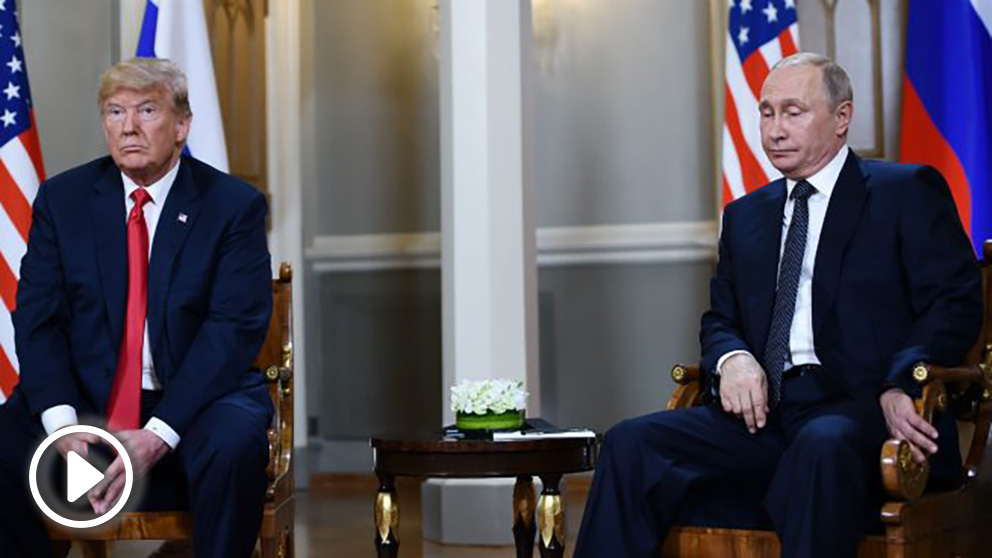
(719, 363)
(164, 431)
(58, 417)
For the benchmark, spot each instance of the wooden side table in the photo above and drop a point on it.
(435, 456)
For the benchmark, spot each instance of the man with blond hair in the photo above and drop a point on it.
(143, 300)
(832, 283)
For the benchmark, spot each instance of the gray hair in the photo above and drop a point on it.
(147, 73)
(836, 82)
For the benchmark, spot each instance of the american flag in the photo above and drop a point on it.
(21, 170)
(759, 34)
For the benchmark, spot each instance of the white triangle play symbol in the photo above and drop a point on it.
(81, 476)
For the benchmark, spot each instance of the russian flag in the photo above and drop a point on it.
(947, 102)
(177, 30)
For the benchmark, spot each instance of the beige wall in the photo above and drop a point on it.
(66, 50)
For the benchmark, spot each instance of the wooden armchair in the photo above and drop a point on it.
(955, 523)
(276, 535)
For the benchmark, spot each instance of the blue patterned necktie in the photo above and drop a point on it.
(777, 346)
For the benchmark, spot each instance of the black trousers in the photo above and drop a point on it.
(217, 472)
(814, 468)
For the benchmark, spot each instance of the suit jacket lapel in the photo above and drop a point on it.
(174, 222)
(110, 237)
(843, 214)
(766, 238)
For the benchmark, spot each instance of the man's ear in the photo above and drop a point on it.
(843, 115)
(182, 128)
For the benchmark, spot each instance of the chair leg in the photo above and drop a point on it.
(93, 549)
(279, 546)
(288, 542)
(269, 549)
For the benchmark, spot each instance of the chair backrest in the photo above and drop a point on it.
(980, 352)
(974, 405)
(275, 360)
(987, 289)
(277, 350)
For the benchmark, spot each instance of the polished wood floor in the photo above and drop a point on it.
(334, 519)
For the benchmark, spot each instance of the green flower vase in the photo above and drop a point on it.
(510, 420)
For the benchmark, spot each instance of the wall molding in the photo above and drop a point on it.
(689, 241)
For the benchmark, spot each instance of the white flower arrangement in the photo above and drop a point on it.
(488, 396)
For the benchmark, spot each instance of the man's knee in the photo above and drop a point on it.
(632, 435)
(228, 441)
(626, 434)
(239, 447)
(832, 440)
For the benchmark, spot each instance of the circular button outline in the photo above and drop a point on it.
(74, 523)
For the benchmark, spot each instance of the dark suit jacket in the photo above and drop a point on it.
(209, 294)
(895, 279)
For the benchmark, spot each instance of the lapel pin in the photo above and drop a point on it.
(182, 217)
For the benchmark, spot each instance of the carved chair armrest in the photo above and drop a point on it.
(689, 392)
(976, 374)
(963, 388)
(280, 432)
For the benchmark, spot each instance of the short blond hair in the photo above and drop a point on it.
(143, 74)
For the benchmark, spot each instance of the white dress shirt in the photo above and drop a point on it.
(61, 416)
(801, 345)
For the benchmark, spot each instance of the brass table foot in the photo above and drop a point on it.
(551, 519)
(387, 519)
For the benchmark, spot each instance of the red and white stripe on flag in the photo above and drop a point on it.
(21, 171)
(759, 34)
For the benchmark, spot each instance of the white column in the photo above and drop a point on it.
(283, 76)
(489, 277)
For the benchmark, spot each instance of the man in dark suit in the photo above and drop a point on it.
(144, 297)
(832, 282)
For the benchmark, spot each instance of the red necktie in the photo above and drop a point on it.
(124, 408)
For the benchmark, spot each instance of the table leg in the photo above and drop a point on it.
(524, 528)
(387, 519)
(551, 519)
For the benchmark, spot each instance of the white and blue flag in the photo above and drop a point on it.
(177, 30)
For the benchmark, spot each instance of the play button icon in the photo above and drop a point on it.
(81, 477)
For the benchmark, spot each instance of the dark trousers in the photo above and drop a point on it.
(814, 467)
(217, 472)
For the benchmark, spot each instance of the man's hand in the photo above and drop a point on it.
(905, 424)
(744, 390)
(106, 493)
(145, 449)
(78, 442)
